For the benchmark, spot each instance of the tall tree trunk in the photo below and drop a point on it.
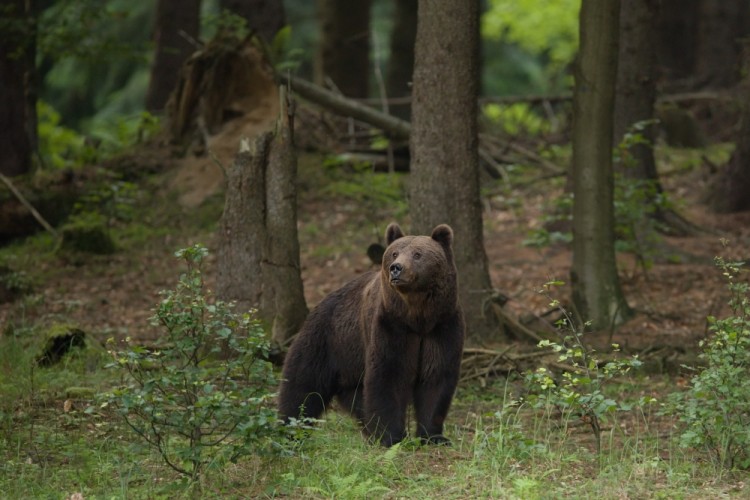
(675, 44)
(730, 190)
(258, 258)
(444, 183)
(596, 286)
(636, 86)
(401, 61)
(264, 17)
(177, 22)
(720, 29)
(343, 54)
(17, 114)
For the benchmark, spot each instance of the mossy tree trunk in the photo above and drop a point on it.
(597, 293)
(444, 183)
(258, 258)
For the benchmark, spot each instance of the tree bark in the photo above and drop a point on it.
(400, 67)
(636, 86)
(596, 287)
(264, 17)
(343, 54)
(177, 27)
(444, 183)
(17, 116)
(283, 294)
(258, 258)
(730, 190)
(721, 26)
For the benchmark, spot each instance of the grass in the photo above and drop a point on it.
(51, 449)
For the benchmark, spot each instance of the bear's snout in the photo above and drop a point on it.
(396, 269)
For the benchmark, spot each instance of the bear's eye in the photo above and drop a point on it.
(417, 255)
(395, 254)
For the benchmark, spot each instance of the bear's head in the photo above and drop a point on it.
(419, 263)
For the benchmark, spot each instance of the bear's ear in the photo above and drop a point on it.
(393, 233)
(443, 234)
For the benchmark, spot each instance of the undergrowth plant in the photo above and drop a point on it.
(202, 397)
(715, 410)
(636, 202)
(579, 391)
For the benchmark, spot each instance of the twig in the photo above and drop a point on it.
(29, 206)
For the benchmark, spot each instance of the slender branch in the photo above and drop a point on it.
(28, 205)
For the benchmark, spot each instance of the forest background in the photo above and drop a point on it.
(105, 180)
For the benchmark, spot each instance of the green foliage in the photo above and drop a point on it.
(374, 191)
(62, 147)
(580, 390)
(559, 210)
(83, 29)
(516, 119)
(202, 397)
(636, 202)
(59, 146)
(715, 410)
(548, 28)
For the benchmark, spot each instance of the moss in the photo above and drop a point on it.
(87, 233)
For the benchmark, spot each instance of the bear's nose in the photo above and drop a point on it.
(396, 270)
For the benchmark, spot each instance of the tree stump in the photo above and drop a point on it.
(258, 257)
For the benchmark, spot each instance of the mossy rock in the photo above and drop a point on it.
(80, 392)
(60, 340)
(86, 233)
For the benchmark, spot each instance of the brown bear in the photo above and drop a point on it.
(386, 339)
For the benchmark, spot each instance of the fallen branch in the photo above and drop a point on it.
(396, 127)
(28, 205)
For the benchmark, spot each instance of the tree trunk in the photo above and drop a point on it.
(636, 86)
(720, 29)
(675, 46)
(444, 183)
(175, 34)
(264, 17)
(283, 294)
(258, 258)
(401, 61)
(17, 117)
(596, 287)
(730, 190)
(343, 54)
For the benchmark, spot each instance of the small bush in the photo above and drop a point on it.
(715, 410)
(579, 392)
(202, 397)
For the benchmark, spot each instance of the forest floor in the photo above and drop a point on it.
(342, 210)
(114, 295)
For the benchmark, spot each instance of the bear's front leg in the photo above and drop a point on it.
(389, 378)
(439, 371)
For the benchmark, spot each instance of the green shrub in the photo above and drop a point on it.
(579, 392)
(715, 410)
(203, 396)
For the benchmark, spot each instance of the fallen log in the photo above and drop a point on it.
(395, 127)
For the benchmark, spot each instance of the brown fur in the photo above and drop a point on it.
(385, 340)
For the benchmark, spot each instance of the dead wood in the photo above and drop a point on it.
(401, 129)
(258, 258)
(41, 220)
(395, 127)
